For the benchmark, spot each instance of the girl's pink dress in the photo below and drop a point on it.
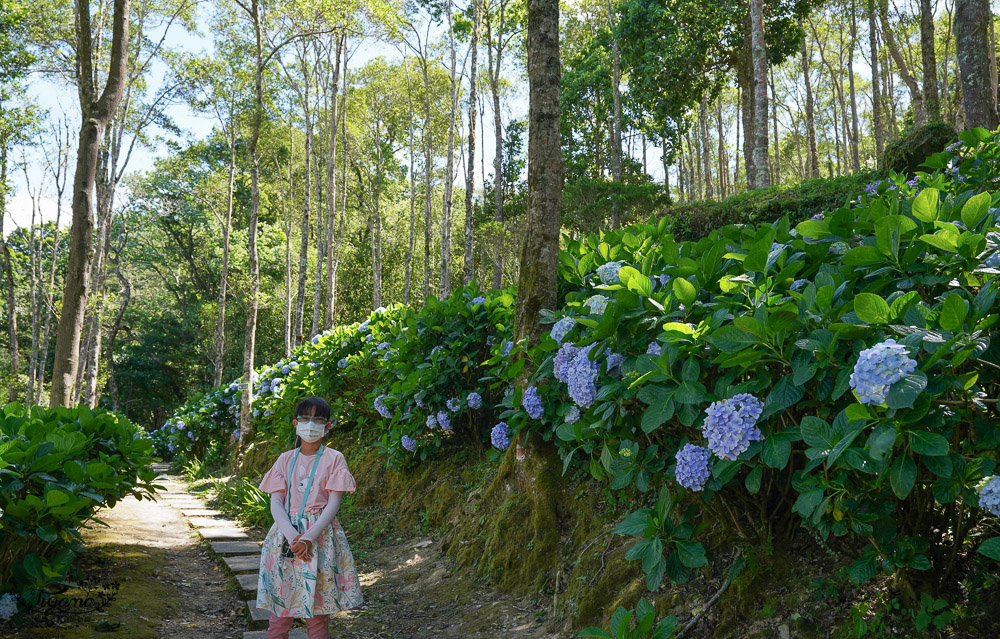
(328, 582)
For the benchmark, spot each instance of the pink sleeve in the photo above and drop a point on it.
(340, 477)
(274, 480)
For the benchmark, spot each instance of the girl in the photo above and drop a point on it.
(306, 567)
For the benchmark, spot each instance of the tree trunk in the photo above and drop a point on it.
(745, 75)
(408, 267)
(339, 238)
(616, 118)
(493, 68)
(813, 154)
(855, 134)
(428, 169)
(116, 325)
(300, 296)
(96, 115)
(470, 174)
(218, 361)
(916, 100)
(449, 171)
(777, 134)
(331, 191)
(878, 123)
(932, 104)
(15, 351)
(319, 283)
(972, 43)
(762, 170)
(706, 156)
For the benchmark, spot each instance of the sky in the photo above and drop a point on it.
(57, 97)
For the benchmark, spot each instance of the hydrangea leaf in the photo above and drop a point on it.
(991, 548)
(926, 205)
(776, 453)
(752, 481)
(863, 256)
(975, 209)
(904, 393)
(871, 308)
(816, 432)
(930, 444)
(946, 489)
(940, 465)
(691, 553)
(941, 240)
(863, 569)
(684, 290)
(902, 476)
(656, 415)
(953, 312)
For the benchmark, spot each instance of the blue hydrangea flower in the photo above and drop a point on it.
(872, 188)
(989, 495)
(954, 147)
(180, 424)
(608, 272)
(912, 182)
(729, 425)
(532, 403)
(170, 447)
(434, 351)
(581, 374)
(597, 304)
(507, 345)
(475, 400)
(315, 339)
(236, 433)
(443, 421)
(664, 279)
(798, 285)
(419, 402)
(992, 260)
(453, 404)
(500, 436)
(408, 443)
(478, 300)
(380, 406)
(654, 349)
(817, 216)
(382, 346)
(561, 328)
(562, 359)
(363, 326)
(615, 361)
(342, 363)
(693, 466)
(878, 368)
(573, 416)
(431, 421)
(8, 605)
(190, 435)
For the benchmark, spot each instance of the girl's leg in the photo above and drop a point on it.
(318, 627)
(278, 627)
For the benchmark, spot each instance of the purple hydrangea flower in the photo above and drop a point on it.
(8, 605)
(286, 369)
(478, 300)
(913, 182)
(236, 433)
(532, 403)
(419, 402)
(443, 421)
(573, 416)
(500, 436)
(878, 368)
(380, 406)
(315, 339)
(408, 443)
(507, 345)
(561, 328)
(475, 400)
(431, 421)
(729, 425)
(872, 188)
(989, 495)
(382, 346)
(434, 351)
(190, 435)
(615, 361)
(664, 279)
(654, 349)
(817, 216)
(342, 363)
(453, 404)
(608, 272)
(693, 466)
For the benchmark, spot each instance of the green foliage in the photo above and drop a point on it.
(695, 220)
(57, 468)
(646, 626)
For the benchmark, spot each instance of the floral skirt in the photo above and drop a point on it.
(325, 584)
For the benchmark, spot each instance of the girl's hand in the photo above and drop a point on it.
(300, 550)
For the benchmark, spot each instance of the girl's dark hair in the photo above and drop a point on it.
(316, 406)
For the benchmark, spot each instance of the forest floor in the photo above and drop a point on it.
(165, 583)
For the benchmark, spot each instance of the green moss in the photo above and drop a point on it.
(906, 153)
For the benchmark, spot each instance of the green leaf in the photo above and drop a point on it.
(635, 523)
(991, 548)
(863, 569)
(56, 498)
(904, 393)
(953, 312)
(871, 308)
(689, 393)
(691, 553)
(752, 482)
(930, 444)
(685, 291)
(941, 240)
(863, 256)
(816, 432)
(857, 411)
(926, 205)
(776, 453)
(656, 415)
(975, 209)
(902, 476)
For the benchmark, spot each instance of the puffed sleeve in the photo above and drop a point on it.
(274, 480)
(340, 477)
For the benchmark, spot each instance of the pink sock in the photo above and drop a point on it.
(318, 627)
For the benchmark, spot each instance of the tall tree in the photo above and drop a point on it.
(932, 105)
(762, 169)
(878, 124)
(96, 110)
(972, 42)
(470, 174)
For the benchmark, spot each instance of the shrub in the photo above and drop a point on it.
(57, 468)
(906, 154)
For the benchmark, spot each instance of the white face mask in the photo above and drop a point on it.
(309, 431)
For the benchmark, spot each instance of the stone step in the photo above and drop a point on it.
(222, 533)
(243, 563)
(211, 522)
(235, 547)
(258, 616)
(186, 504)
(248, 583)
(177, 495)
(295, 633)
(201, 512)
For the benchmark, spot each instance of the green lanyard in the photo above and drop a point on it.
(305, 495)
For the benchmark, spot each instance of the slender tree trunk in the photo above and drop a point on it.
(972, 44)
(706, 157)
(470, 175)
(777, 134)
(916, 99)
(745, 74)
(331, 191)
(300, 297)
(449, 172)
(428, 169)
(339, 239)
(762, 170)
(723, 159)
(932, 104)
(218, 361)
(855, 134)
(113, 336)
(493, 68)
(15, 351)
(319, 305)
(813, 153)
(616, 118)
(35, 278)
(408, 268)
(96, 114)
(286, 214)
